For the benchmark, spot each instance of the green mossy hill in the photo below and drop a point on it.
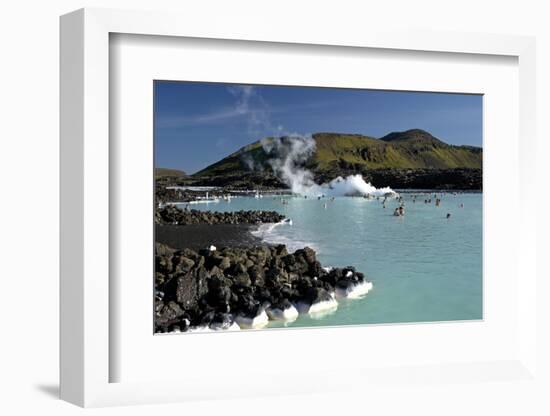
(411, 149)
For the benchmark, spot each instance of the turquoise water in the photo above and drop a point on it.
(424, 267)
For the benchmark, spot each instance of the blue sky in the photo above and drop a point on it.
(197, 124)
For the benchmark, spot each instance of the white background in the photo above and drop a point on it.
(138, 60)
(29, 209)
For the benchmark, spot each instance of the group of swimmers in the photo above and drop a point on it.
(398, 212)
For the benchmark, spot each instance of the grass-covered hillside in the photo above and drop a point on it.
(411, 149)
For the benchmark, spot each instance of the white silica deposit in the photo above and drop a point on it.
(354, 291)
(259, 321)
(319, 309)
(198, 329)
(234, 327)
(206, 328)
(288, 315)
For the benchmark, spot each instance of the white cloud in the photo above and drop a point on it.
(249, 105)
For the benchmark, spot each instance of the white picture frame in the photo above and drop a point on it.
(85, 352)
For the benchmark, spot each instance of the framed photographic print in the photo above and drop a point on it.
(259, 225)
(313, 203)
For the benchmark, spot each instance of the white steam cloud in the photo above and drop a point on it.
(291, 153)
(354, 185)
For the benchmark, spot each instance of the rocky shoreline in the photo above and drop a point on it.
(170, 214)
(239, 288)
(463, 179)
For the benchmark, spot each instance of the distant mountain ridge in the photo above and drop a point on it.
(165, 172)
(411, 136)
(411, 149)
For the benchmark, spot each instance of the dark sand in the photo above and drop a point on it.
(197, 236)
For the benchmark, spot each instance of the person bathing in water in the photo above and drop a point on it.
(399, 212)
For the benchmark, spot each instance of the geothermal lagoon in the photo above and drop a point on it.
(424, 267)
(289, 206)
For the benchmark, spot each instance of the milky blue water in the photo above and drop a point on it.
(424, 267)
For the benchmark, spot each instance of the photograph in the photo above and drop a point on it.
(282, 206)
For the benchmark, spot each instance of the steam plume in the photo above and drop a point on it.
(289, 156)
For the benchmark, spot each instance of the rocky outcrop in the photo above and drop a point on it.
(171, 214)
(219, 289)
(441, 179)
(444, 179)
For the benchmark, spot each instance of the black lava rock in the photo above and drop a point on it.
(211, 287)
